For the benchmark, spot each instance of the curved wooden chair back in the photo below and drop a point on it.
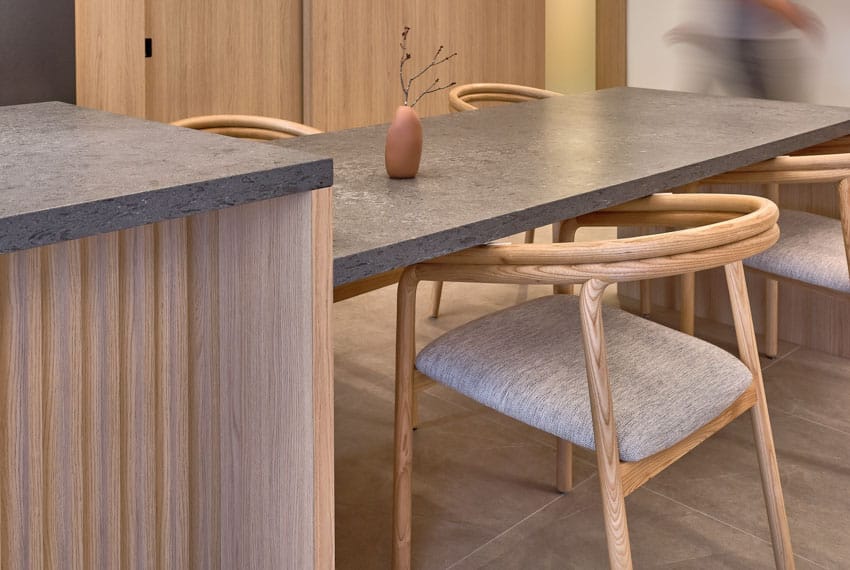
(710, 230)
(828, 163)
(253, 127)
(462, 97)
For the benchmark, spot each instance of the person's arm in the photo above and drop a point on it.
(794, 14)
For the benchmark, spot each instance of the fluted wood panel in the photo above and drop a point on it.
(157, 405)
(352, 53)
(221, 56)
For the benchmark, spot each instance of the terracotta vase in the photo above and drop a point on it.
(404, 144)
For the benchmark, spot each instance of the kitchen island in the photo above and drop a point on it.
(166, 393)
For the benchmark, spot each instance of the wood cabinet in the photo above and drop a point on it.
(330, 63)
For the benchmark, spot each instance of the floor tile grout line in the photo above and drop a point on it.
(724, 523)
(519, 522)
(811, 421)
(773, 362)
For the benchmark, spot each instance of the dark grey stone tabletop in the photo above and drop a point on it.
(492, 173)
(67, 172)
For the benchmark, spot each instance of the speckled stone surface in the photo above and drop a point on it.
(495, 172)
(68, 172)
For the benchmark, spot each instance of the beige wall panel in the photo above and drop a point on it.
(354, 53)
(221, 56)
(21, 433)
(110, 55)
(101, 419)
(63, 456)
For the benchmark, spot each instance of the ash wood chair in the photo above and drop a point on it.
(813, 250)
(252, 127)
(461, 98)
(640, 394)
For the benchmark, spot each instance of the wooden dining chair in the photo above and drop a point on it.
(252, 127)
(640, 394)
(813, 250)
(462, 98)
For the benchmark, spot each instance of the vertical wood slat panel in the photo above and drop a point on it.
(21, 461)
(266, 400)
(114, 426)
(323, 388)
(204, 411)
(63, 491)
(101, 422)
(172, 401)
(138, 393)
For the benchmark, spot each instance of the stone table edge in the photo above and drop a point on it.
(77, 221)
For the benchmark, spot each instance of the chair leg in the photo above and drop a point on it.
(604, 426)
(564, 466)
(403, 441)
(436, 296)
(645, 298)
(771, 484)
(686, 315)
(771, 318)
(529, 236)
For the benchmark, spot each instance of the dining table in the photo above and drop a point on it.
(165, 323)
(500, 171)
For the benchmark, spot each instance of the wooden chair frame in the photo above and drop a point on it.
(806, 168)
(720, 231)
(252, 127)
(461, 99)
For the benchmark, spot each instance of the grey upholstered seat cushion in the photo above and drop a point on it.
(527, 362)
(810, 249)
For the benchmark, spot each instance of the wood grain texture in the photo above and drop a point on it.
(21, 416)
(216, 56)
(353, 75)
(159, 397)
(808, 316)
(172, 394)
(110, 55)
(138, 397)
(266, 404)
(62, 358)
(604, 425)
(323, 381)
(611, 30)
(101, 403)
(771, 484)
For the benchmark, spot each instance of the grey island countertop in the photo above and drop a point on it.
(67, 172)
(495, 172)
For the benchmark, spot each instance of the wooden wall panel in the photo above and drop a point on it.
(611, 56)
(221, 56)
(110, 55)
(157, 409)
(354, 53)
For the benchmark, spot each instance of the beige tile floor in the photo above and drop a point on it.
(483, 484)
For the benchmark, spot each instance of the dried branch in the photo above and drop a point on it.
(432, 89)
(407, 84)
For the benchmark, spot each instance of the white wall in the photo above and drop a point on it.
(653, 63)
